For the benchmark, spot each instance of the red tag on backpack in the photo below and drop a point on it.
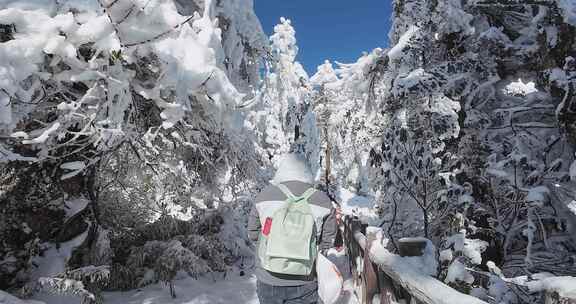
(267, 226)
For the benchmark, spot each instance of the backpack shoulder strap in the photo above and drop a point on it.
(308, 194)
(285, 190)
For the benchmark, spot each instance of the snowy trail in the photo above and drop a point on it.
(232, 290)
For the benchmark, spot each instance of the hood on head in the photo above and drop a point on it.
(293, 167)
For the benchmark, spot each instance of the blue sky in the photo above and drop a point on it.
(337, 30)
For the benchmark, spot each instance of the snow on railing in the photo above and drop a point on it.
(383, 277)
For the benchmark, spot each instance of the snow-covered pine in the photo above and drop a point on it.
(346, 118)
(283, 98)
(84, 282)
(62, 286)
(137, 106)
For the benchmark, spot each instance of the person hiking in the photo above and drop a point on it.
(289, 223)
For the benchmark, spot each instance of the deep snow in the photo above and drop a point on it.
(232, 289)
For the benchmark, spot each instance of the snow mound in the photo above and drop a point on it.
(564, 286)
(54, 260)
(427, 263)
(520, 88)
(457, 272)
(471, 248)
(572, 206)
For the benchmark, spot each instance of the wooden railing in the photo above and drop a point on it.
(386, 277)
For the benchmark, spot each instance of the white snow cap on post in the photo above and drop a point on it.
(293, 167)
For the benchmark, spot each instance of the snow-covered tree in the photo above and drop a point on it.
(472, 132)
(137, 106)
(284, 96)
(349, 125)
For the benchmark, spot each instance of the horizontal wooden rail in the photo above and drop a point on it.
(395, 278)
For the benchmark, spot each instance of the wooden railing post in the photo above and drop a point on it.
(371, 280)
(396, 280)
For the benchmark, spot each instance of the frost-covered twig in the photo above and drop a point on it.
(111, 4)
(159, 35)
(127, 14)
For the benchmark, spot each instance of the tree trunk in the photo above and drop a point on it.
(92, 192)
(172, 291)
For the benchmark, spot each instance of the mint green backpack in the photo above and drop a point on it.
(287, 242)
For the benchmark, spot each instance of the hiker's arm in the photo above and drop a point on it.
(254, 225)
(329, 231)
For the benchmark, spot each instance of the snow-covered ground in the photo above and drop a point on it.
(232, 289)
(54, 259)
(361, 206)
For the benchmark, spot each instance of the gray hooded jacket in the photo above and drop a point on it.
(294, 174)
